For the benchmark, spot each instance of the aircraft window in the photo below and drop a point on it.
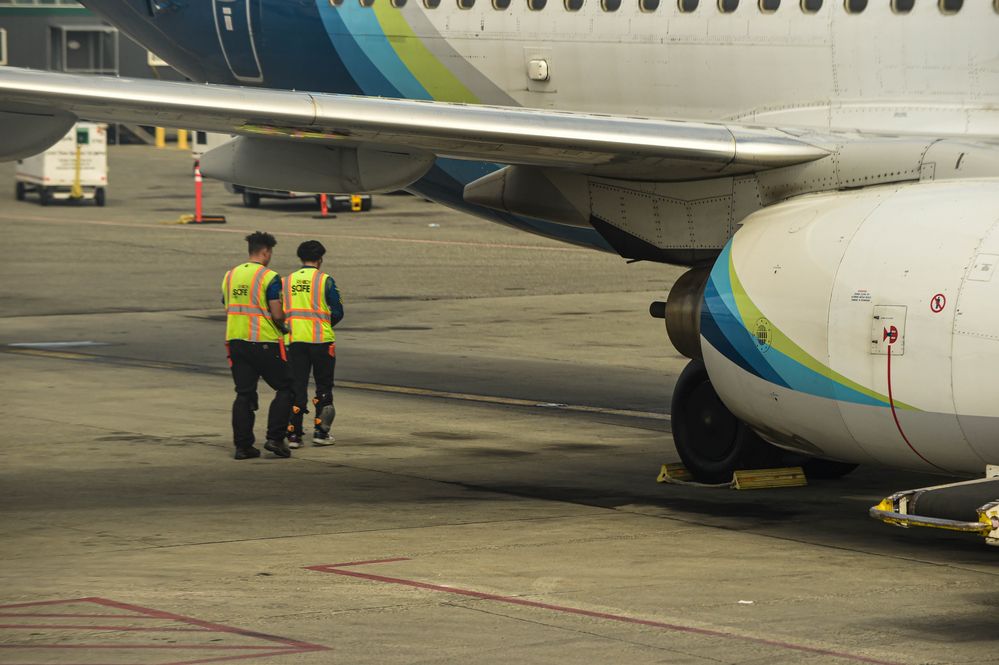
(466, 4)
(686, 6)
(951, 6)
(648, 5)
(902, 6)
(811, 6)
(573, 5)
(501, 4)
(728, 6)
(769, 6)
(366, 3)
(336, 3)
(398, 4)
(855, 6)
(610, 5)
(536, 5)
(431, 4)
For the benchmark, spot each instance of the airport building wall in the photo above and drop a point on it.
(62, 35)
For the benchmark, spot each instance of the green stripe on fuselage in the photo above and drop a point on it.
(750, 314)
(439, 82)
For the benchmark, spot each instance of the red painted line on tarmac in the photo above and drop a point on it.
(294, 234)
(337, 569)
(143, 647)
(52, 615)
(276, 646)
(138, 629)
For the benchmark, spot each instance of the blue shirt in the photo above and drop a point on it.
(274, 289)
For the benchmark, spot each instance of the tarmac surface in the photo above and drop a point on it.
(491, 498)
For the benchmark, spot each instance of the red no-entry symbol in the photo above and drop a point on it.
(938, 302)
(891, 334)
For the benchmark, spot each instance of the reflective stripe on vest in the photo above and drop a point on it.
(248, 317)
(306, 307)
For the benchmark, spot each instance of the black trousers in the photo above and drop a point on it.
(249, 362)
(320, 361)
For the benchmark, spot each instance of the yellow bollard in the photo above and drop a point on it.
(160, 137)
(182, 140)
(76, 191)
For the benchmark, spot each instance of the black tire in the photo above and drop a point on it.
(44, 196)
(366, 204)
(711, 441)
(100, 197)
(251, 200)
(19, 191)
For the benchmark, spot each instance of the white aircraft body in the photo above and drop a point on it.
(827, 169)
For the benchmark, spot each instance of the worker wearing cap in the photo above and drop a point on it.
(254, 325)
(313, 306)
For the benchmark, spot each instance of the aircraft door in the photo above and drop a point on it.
(235, 22)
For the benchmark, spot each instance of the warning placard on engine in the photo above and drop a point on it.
(888, 330)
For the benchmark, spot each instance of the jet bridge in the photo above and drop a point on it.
(970, 506)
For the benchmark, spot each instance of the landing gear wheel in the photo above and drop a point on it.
(100, 197)
(251, 200)
(711, 441)
(19, 191)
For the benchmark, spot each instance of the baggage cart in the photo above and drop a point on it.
(75, 168)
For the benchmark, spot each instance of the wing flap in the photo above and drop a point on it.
(613, 146)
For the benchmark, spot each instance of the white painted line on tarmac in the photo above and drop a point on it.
(56, 345)
(75, 221)
(353, 385)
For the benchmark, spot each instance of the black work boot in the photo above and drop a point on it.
(279, 448)
(246, 453)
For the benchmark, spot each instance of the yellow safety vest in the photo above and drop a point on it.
(244, 289)
(306, 307)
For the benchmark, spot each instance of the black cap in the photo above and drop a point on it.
(311, 250)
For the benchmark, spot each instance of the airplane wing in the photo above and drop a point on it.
(605, 145)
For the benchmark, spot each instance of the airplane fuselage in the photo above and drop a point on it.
(877, 70)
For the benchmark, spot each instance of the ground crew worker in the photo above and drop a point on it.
(251, 293)
(313, 306)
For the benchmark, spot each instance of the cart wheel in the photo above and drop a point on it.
(251, 200)
(19, 191)
(44, 196)
(366, 204)
(100, 198)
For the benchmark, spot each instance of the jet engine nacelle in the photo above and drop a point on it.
(864, 326)
(29, 133)
(312, 167)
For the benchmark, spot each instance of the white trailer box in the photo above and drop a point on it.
(55, 173)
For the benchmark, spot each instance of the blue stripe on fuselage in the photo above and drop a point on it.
(350, 53)
(362, 24)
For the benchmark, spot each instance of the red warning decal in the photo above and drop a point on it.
(891, 334)
(938, 302)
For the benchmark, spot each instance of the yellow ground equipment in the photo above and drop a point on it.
(971, 506)
(748, 479)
